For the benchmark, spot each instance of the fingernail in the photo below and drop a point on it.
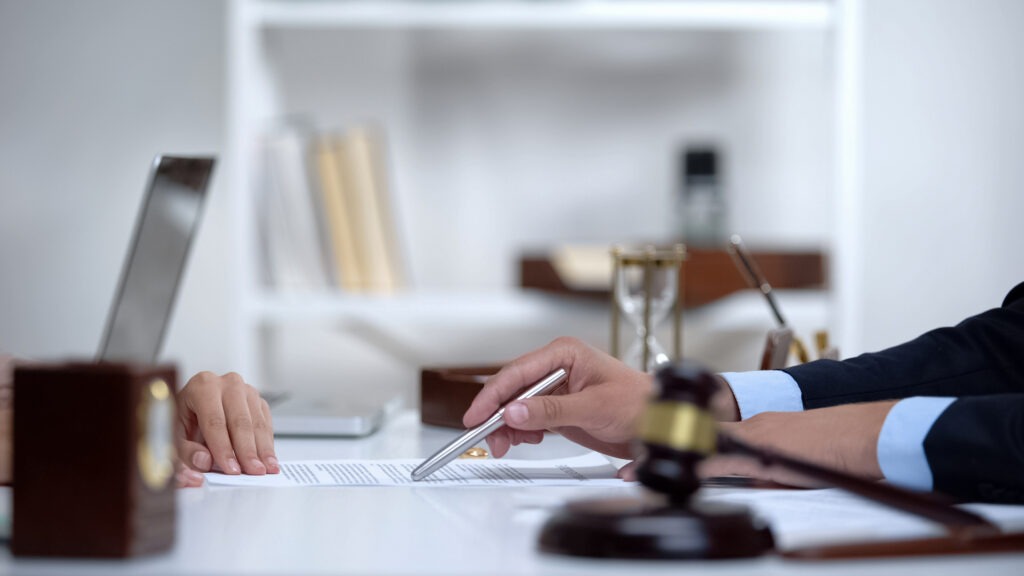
(193, 475)
(201, 460)
(273, 464)
(233, 467)
(257, 466)
(516, 413)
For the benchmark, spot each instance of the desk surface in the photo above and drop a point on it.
(487, 530)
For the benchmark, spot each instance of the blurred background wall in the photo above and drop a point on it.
(943, 183)
(90, 91)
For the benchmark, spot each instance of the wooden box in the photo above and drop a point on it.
(93, 460)
(446, 393)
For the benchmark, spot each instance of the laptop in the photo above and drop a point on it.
(308, 414)
(148, 288)
(164, 231)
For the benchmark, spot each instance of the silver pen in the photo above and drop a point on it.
(475, 435)
(758, 281)
(754, 277)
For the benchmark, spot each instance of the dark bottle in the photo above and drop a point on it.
(701, 198)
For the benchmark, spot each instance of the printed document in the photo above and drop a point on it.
(590, 469)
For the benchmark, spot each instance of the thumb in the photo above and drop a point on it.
(195, 456)
(544, 412)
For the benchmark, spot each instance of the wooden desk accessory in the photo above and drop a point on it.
(6, 414)
(446, 393)
(776, 349)
(678, 431)
(93, 460)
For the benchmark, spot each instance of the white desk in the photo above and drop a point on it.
(429, 530)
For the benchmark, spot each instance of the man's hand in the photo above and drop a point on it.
(603, 400)
(598, 407)
(225, 426)
(842, 438)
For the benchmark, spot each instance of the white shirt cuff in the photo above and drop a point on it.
(901, 442)
(764, 391)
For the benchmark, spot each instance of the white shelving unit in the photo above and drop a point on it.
(252, 101)
(538, 15)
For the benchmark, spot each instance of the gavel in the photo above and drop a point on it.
(677, 432)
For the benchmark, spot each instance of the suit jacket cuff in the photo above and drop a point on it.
(901, 453)
(764, 391)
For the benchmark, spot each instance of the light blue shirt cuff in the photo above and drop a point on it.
(764, 391)
(901, 442)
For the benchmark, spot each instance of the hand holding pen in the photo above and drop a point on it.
(597, 407)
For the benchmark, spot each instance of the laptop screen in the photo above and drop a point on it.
(156, 259)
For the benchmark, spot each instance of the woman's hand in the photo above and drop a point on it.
(225, 426)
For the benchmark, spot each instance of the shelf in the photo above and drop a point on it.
(712, 277)
(709, 275)
(582, 14)
(461, 308)
(257, 72)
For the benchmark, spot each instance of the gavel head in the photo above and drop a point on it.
(677, 430)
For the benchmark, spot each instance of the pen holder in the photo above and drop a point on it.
(446, 393)
(93, 460)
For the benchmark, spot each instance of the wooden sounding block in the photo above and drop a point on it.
(446, 393)
(93, 460)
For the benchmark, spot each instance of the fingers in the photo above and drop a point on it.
(628, 472)
(222, 412)
(195, 456)
(499, 442)
(188, 478)
(525, 436)
(732, 466)
(265, 437)
(189, 474)
(227, 426)
(241, 425)
(547, 412)
(519, 374)
(204, 400)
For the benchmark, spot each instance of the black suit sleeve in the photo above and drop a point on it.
(980, 356)
(975, 449)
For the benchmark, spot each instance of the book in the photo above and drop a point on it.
(337, 206)
(364, 175)
(295, 257)
(326, 212)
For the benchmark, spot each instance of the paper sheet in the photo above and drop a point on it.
(590, 470)
(801, 518)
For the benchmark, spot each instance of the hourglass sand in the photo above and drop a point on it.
(646, 289)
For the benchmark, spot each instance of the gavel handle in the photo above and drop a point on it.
(959, 523)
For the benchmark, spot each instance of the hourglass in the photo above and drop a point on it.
(646, 289)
